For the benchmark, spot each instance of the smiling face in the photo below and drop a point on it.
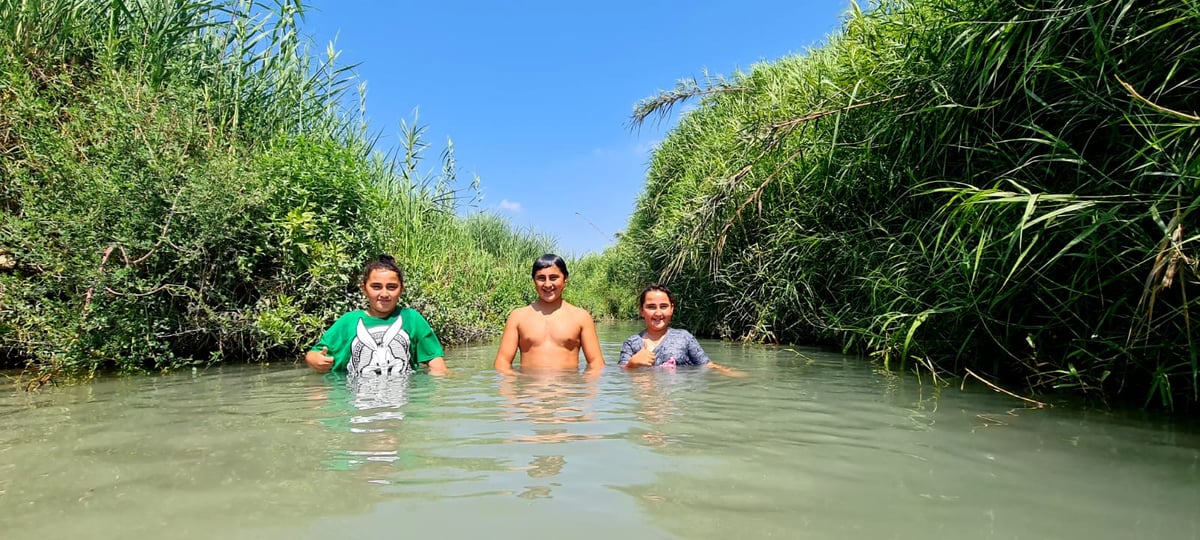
(382, 289)
(549, 283)
(657, 310)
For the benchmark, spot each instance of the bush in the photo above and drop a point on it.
(181, 186)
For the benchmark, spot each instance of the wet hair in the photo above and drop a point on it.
(383, 262)
(548, 260)
(655, 287)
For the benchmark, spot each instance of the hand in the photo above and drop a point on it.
(592, 372)
(727, 370)
(642, 358)
(319, 360)
(507, 372)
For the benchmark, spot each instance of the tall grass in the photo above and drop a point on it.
(607, 284)
(1002, 186)
(182, 183)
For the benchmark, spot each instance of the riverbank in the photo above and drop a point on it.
(1001, 187)
(201, 194)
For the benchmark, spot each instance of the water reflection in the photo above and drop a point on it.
(851, 453)
(387, 391)
(172, 451)
(371, 411)
(548, 403)
(542, 467)
(659, 397)
(812, 447)
(547, 408)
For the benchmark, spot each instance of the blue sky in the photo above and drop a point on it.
(536, 95)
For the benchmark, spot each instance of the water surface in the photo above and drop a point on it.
(807, 445)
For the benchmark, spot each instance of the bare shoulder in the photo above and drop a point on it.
(517, 315)
(578, 313)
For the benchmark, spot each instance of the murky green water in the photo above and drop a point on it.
(814, 446)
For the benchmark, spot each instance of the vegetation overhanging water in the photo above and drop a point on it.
(946, 185)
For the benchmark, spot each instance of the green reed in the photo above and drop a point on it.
(184, 182)
(1001, 186)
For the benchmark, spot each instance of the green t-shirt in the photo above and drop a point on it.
(359, 342)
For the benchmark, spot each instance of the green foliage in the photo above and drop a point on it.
(180, 186)
(472, 272)
(1003, 186)
(607, 284)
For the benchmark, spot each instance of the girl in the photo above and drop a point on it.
(381, 340)
(659, 344)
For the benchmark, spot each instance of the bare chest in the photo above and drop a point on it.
(556, 331)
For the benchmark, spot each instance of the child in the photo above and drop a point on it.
(381, 340)
(550, 332)
(659, 344)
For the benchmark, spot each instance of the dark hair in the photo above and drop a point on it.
(655, 287)
(548, 260)
(384, 262)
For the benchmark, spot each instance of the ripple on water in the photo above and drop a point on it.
(802, 446)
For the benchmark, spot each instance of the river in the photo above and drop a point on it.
(808, 444)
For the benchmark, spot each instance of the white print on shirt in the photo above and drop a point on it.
(382, 350)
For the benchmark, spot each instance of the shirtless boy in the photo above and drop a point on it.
(549, 332)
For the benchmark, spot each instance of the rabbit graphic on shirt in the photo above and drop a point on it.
(380, 357)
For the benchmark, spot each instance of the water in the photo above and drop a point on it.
(810, 445)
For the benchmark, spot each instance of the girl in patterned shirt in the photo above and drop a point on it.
(659, 344)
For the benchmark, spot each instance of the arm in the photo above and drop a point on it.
(508, 346)
(626, 352)
(591, 343)
(428, 347)
(333, 349)
(631, 359)
(696, 352)
(319, 360)
(727, 370)
(437, 366)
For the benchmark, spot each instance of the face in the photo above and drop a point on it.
(382, 290)
(657, 311)
(549, 283)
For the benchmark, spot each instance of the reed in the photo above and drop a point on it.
(1002, 186)
(184, 183)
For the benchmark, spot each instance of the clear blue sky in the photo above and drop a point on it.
(536, 95)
